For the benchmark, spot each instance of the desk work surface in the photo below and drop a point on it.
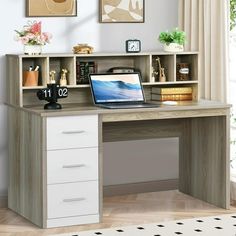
(86, 109)
(180, 110)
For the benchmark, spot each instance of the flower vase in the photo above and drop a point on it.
(32, 49)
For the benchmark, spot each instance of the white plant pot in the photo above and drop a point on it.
(173, 47)
(33, 49)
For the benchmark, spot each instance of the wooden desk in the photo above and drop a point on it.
(202, 128)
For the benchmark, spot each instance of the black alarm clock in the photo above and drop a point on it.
(133, 45)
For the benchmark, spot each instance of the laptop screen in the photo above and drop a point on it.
(116, 88)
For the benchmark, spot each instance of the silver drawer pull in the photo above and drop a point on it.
(73, 166)
(74, 132)
(74, 199)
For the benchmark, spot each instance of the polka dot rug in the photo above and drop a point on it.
(224, 225)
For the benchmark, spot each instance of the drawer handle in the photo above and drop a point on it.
(74, 199)
(73, 166)
(74, 132)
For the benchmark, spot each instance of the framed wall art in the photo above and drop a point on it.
(51, 8)
(121, 11)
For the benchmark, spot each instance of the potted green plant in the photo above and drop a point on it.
(173, 41)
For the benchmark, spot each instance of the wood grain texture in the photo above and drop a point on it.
(14, 81)
(25, 192)
(195, 109)
(142, 62)
(193, 61)
(141, 130)
(103, 54)
(204, 160)
(42, 62)
(193, 64)
(168, 63)
(59, 63)
(75, 95)
(104, 63)
(143, 65)
(203, 151)
(202, 128)
(145, 187)
(171, 114)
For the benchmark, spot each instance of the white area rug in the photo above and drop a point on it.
(224, 225)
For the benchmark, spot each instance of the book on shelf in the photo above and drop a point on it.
(172, 90)
(172, 97)
(83, 69)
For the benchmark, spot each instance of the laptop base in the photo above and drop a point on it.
(128, 106)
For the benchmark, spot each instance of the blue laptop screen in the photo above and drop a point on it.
(116, 87)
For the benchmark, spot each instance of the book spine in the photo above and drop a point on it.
(83, 69)
(77, 72)
(86, 73)
(172, 97)
(183, 90)
(82, 72)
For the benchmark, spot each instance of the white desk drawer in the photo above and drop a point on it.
(72, 132)
(74, 199)
(72, 165)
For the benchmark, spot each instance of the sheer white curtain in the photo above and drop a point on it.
(206, 25)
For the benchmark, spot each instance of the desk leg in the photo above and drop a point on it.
(100, 168)
(204, 160)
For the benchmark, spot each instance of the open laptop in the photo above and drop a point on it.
(118, 90)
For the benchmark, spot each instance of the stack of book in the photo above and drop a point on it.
(83, 69)
(172, 94)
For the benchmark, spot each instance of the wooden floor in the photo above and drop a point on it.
(122, 211)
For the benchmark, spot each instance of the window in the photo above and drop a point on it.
(232, 83)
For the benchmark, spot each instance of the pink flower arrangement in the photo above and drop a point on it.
(32, 35)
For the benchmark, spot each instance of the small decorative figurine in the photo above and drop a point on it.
(162, 76)
(83, 49)
(63, 80)
(52, 79)
(154, 74)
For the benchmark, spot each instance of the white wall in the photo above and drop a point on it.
(160, 15)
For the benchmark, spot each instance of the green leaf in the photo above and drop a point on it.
(232, 14)
(175, 36)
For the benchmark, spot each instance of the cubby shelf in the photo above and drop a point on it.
(79, 86)
(144, 84)
(142, 62)
(170, 83)
(33, 87)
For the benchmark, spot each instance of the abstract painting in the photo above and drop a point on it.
(122, 11)
(51, 8)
